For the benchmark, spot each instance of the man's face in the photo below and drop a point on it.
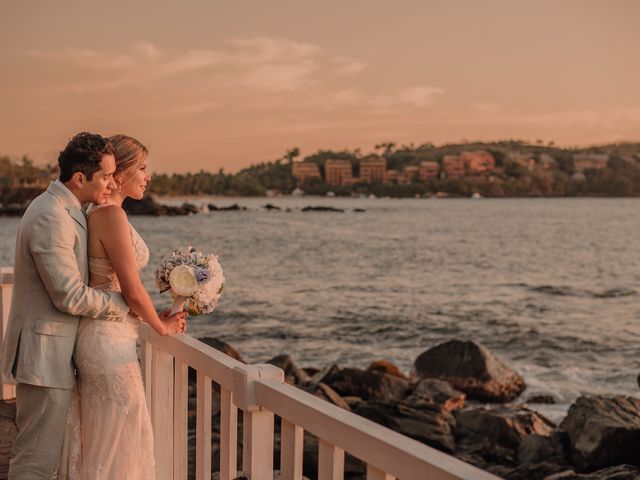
(98, 189)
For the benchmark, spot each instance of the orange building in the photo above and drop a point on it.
(338, 172)
(301, 171)
(428, 170)
(478, 162)
(453, 166)
(590, 161)
(373, 169)
(410, 173)
(391, 176)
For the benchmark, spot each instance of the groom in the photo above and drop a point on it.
(49, 297)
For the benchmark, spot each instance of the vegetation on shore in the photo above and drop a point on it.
(621, 177)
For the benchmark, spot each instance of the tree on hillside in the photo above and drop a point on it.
(291, 154)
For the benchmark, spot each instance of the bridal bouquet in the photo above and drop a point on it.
(192, 277)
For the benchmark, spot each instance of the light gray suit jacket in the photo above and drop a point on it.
(50, 292)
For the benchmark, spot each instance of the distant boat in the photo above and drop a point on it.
(331, 194)
(476, 196)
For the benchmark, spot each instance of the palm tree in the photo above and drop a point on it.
(291, 154)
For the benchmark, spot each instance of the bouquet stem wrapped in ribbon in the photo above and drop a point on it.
(193, 278)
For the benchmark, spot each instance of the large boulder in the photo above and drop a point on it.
(472, 369)
(535, 449)
(368, 385)
(431, 390)
(292, 373)
(495, 433)
(426, 423)
(619, 472)
(604, 431)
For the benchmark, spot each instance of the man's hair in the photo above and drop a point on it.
(83, 154)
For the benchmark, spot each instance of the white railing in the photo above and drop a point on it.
(6, 288)
(260, 392)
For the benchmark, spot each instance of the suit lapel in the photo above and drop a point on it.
(77, 215)
(70, 203)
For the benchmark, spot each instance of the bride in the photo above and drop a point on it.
(109, 435)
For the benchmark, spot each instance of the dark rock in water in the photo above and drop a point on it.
(149, 206)
(431, 390)
(223, 347)
(322, 209)
(638, 380)
(541, 398)
(619, 472)
(292, 374)
(603, 431)
(12, 211)
(428, 424)
(269, 206)
(472, 369)
(189, 208)
(495, 433)
(234, 207)
(552, 448)
(325, 392)
(359, 210)
(366, 385)
(385, 366)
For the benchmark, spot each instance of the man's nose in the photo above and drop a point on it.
(112, 184)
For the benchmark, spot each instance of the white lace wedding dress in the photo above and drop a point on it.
(109, 434)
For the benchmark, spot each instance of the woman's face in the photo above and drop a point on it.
(135, 182)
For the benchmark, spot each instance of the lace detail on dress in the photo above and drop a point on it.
(109, 434)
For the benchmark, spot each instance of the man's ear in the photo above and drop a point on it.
(78, 180)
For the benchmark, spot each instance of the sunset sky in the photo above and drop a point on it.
(211, 84)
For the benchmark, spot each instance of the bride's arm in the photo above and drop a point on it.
(115, 235)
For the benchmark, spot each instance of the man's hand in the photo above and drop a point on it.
(176, 323)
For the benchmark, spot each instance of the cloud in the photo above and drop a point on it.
(419, 96)
(487, 106)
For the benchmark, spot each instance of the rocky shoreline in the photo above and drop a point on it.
(464, 401)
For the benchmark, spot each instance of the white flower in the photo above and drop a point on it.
(183, 280)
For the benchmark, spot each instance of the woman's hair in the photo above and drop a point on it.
(128, 151)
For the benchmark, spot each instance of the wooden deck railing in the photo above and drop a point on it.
(260, 392)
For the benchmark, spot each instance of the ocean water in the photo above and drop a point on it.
(551, 286)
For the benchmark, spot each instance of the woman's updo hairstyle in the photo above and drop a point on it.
(128, 152)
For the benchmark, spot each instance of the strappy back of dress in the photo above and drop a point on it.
(102, 275)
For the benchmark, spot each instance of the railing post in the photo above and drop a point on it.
(180, 420)
(162, 380)
(257, 423)
(291, 449)
(203, 427)
(6, 288)
(330, 461)
(228, 435)
(375, 474)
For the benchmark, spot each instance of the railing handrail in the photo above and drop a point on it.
(373, 443)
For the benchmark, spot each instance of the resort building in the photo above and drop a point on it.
(590, 161)
(301, 171)
(373, 169)
(391, 176)
(453, 166)
(428, 170)
(547, 162)
(410, 173)
(338, 172)
(525, 160)
(478, 162)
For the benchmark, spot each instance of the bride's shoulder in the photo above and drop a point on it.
(111, 215)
